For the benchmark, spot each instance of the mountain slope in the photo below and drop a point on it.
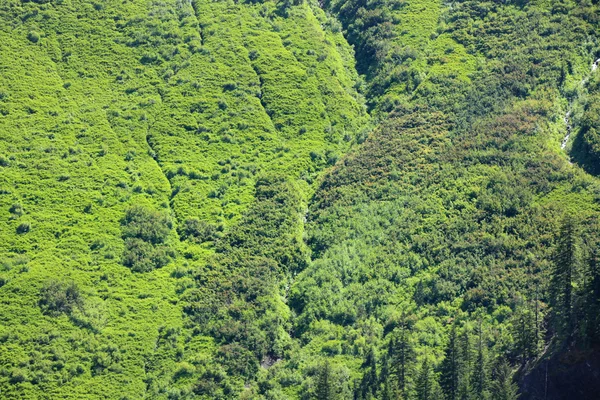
(176, 106)
(195, 202)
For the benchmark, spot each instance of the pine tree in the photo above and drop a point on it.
(538, 321)
(324, 384)
(465, 367)
(450, 367)
(479, 376)
(403, 355)
(425, 382)
(385, 376)
(369, 383)
(525, 332)
(561, 285)
(592, 297)
(385, 363)
(387, 391)
(503, 385)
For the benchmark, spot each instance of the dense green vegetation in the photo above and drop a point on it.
(586, 145)
(335, 200)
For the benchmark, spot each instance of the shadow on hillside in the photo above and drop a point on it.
(582, 155)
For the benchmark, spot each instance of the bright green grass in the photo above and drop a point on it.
(155, 103)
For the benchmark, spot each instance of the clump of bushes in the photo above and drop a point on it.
(145, 232)
(60, 297)
(149, 58)
(142, 256)
(4, 162)
(23, 228)
(145, 224)
(33, 37)
(16, 210)
(199, 231)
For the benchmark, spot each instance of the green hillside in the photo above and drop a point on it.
(347, 199)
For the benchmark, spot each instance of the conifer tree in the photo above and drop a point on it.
(387, 391)
(465, 367)
(450, 367)
(402, 358)
(424, 384)
(369, 383)
(385, 363)
(324, 384)
(561, 285)
(525, 332)
(479, 376)
(592, 296)
(503, 385)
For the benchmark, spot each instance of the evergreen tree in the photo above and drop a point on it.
(450, 367)
(425, 382)
(503, 385)
(369, 383)
(592, 296)
(384, 375)
(324, 384)
(387, 391)
(465, 367)
(525, 332)
(479, 376)
(561, 285)
(385, 363)
(403, 355)
(538, 322)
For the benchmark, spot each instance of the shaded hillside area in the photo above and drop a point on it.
(299, 200)
(571, 375)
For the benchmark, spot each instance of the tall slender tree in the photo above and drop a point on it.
(592, 296)
(450, 367)
(525, 331)
(465, 366)
(402, 358)
(424, 386)
(479, 376)
(561, 285)
(369, 383)
(503, 385)
(324, 383)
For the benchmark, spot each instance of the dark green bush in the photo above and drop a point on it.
(23, 228)
(60, 297)
(149, 58)
(198, 231)
(145, 224)
(33, 37)
(145, 231)
(18, 375)
(143, 256)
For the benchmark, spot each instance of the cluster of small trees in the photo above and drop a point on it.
(145, 232)
(58, 297)
(466, 371)
(575, 286)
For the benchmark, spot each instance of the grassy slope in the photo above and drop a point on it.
(153, 103)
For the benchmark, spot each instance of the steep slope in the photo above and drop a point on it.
(445, 221)
(176, 106)
(195, 203)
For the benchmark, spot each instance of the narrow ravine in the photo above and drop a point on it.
(568, 128)
(567, 117)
